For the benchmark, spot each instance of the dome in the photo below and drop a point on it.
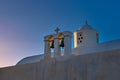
(31, 59)
(86, 27)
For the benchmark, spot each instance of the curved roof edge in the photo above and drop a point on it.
(31, 59)
(86, 26)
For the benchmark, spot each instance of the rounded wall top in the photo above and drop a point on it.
(31, 59)
(86, 27)
(67, 33)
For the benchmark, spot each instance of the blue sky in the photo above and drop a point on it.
(24, 23)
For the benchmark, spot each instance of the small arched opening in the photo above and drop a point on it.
(51, 43)
(61, 43)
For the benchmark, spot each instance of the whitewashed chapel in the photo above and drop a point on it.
(88, 60)
(86, 40)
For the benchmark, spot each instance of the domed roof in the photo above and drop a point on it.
(86, 27)
(30, 59)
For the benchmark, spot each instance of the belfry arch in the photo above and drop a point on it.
(51, 41)
(61, 43)
(57, 41)
(61, 39)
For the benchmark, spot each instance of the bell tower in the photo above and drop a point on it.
(58, 44)
(86, 36)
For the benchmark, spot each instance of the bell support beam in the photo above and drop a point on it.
(57, 50)
(67, 43)
(47, 50)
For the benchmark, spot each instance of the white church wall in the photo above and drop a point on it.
(97, 66)
(106, 46)
(89, 38)
(37, 58)
(75, 39)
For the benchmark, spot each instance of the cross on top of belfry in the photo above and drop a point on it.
(57, 30)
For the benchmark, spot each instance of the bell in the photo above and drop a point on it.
(62, 43)
(52, 44)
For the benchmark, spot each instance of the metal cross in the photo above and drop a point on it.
(57, 30)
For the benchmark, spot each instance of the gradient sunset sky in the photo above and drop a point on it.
(24, 23)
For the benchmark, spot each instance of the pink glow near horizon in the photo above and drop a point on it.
(11, 51)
